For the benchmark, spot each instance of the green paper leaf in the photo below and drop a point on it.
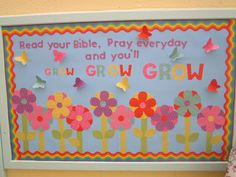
(216, 139)
(193, 137)
(56, 134)
(97, 134)
(109, 134)
(150, 133)
(137, 132)
(74, 142)
(30, 135)
(67, 133)
(180, 138)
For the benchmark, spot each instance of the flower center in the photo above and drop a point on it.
(40, 118)
(121, 118)
(210, 118)
(103, 103)
(59, 105)
(79, 118)
(164, 118)
(23, 101)
(187, 103)
(142, 105)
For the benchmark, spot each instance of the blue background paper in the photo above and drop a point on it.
(164, 91)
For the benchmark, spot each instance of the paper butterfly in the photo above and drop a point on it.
(213, 86)
(23, 59)
(79, 83)
(40, 83)
(144, 34)
(210, 46)
(58, 56)
(175, 55)
(123, 84)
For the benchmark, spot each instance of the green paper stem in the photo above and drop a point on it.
(80, 139)
(41, 141)
(62, 140)
(25, 131)
(123, 141)
(164, 142)
(143, 140)
(208, 142)
(103, 130)
(187, 131)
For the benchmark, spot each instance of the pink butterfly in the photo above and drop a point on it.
(79, 83)
(58, 56)
(210, 46)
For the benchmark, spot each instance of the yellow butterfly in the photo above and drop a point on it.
(23, 59)
(123, 84)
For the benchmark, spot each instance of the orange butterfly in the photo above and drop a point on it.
(213, 86)
(23, 59)
(144, 34)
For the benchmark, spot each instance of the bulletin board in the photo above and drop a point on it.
(141, 90)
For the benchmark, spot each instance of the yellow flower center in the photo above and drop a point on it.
(210, 118)
(79, 118)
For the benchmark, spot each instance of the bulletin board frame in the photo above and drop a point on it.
(150, 14)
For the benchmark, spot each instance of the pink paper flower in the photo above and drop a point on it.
(122, 118)
(80, 118)
(211, 118)
(40, 119)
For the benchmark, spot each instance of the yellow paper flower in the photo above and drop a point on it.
(59, 104)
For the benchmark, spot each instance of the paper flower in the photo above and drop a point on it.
(23, 101)
(188, 103)
(211, 118)
(80, 118)
(40, 119)
(122, 118)
(103, 103)
(143, 105)
(59, 104)
(165, 118)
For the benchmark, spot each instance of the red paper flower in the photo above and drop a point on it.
(143, 105)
